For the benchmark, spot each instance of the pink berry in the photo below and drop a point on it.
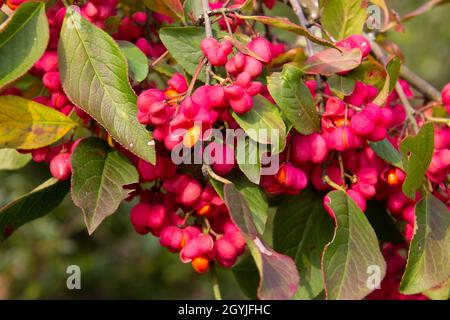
(356, 41)
(189, 195)
(226, 253)
(262, 47)
(445, 94)
(292, 178)
(178, 83)
(361, 124)
(200, 246)
(139, 217)
(358, 198)
(60, 166)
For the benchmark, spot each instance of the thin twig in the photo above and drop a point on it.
(304, 23)
(200, 65)
(408, 108)
(438, 120)
(159, 59)
(208, 171)
(215, 282)
(332, 184)
(430, 92)
(230, 31)
(208, 30)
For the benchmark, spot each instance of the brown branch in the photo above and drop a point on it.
(421, 85)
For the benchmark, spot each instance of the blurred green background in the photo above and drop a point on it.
(116, 262)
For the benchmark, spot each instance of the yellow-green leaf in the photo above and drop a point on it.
(25, 124)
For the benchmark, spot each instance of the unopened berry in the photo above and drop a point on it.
(60, 166)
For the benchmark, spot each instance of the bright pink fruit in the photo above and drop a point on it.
(221, 157)
(356, 41)
(292, 178)
(139, 217)
(226, 253)
(191, 193)
(358, 198)
(178, 83)
(60, 166)
(216, 52)
(445, 94)
(262, 47)
(200, 246)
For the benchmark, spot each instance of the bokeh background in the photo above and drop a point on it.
(116, 262)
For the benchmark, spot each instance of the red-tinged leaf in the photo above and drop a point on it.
(331, 61)
(170, 8)
(278, 273)
(285, 24)
(428, 263)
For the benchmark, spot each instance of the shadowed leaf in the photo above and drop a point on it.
(99, 175)
(31, 206)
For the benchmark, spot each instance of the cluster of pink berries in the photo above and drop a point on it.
(188, 217)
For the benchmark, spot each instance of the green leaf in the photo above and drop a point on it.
(10, 159)
(183, 44)
(95, 78)
(331, 61)
(136, 59)
(246, 274)
(301, 230)
(416, 156)
(386, 151)
(264, 117)
(342, 18)
(31, 206)
(250, 161)
(278, 274)
(247, 7)
(22, 41)
(25, 124)
(285, 24)
(392, 74)
(99, 175)
(370, 72)
(294, 99)
(255, 197)
(429, 253)
(171, 8)
(341, 86)
(352, 251)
